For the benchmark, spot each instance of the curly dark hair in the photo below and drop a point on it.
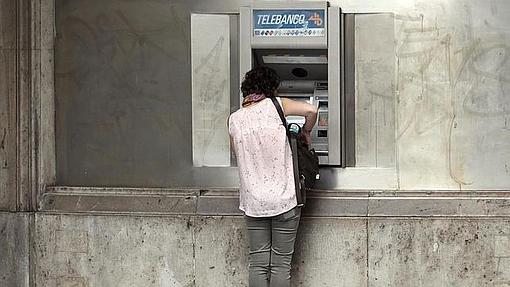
(260, 80)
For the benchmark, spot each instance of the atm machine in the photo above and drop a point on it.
(302, 42)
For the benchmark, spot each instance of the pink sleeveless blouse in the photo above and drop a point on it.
(264, 159)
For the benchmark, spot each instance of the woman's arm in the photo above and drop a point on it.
(299, 108)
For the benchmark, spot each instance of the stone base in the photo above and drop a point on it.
(133, 250)
(15, 257)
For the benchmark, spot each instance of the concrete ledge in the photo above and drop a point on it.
(119, 200)
(349, 203)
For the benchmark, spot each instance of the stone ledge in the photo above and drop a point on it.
(211, 202)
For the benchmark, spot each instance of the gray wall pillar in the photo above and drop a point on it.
(26, 69)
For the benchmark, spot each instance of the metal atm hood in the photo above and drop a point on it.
(305, 49)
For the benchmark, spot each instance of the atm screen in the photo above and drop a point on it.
(323, 119)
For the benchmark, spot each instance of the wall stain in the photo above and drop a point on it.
(440, 84)
(210, 105)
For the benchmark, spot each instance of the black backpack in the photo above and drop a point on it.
(305, 160)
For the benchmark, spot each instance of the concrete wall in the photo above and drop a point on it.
(375, 99)
(15, 249)
(109, 250)
(451, 91)
(430, 94)
(27, 137)
(8, 53)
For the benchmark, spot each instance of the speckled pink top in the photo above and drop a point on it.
(264, 159)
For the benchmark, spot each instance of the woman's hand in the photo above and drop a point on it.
(299, 108)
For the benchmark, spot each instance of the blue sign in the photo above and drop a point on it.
(288, 23)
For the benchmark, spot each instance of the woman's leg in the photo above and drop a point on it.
(284, 231)
(259, 235)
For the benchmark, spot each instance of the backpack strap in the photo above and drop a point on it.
(282, 116)
(293, 147)
(297, 176)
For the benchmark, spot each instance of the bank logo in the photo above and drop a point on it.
(289, 23)
(316, 18)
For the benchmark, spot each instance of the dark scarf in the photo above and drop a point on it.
(252, 98)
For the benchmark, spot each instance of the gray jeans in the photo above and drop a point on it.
(271, 247)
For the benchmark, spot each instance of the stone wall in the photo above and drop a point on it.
(15, 255)
(127, 250)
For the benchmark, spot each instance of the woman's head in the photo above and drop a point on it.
(260, 80)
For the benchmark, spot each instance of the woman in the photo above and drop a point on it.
(267, 192)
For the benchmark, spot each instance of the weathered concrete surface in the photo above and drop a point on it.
(210, 93)
(7, 103)
(440, 252)
(119, 200)
(450, 123)
(47, 161)
(452, 90)
(331, 252)
(26, 102)
(349, 203)
(47, 24)
(7, 24)
(14, 249)
(7, 138)
(375, 90)
(113, 251)
(46, 91)
(221, 251)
